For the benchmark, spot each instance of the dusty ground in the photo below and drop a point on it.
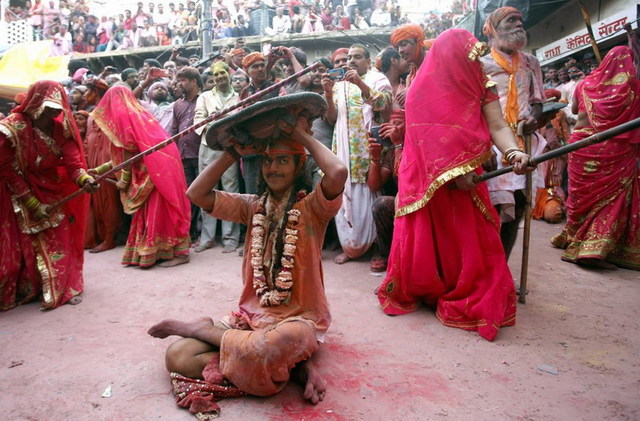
(56, 365)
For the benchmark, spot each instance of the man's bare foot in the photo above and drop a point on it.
(306, 374)
(174, 262)
(597, 264)
(75, 300)
(229, 248)
(341, 259)
(104, 246)
(170, 327)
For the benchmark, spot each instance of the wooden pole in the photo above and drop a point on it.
(591, 140)
(587, 22)
(188, 130)
(524, 269)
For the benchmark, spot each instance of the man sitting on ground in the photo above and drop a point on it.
(283, 310)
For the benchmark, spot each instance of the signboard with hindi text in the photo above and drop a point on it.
(581, 39)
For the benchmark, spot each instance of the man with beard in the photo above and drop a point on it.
(210, 102)
(130, 77)
(159, 104)
(352, 103)
(518, 78)
(409, 40)
(183, 113)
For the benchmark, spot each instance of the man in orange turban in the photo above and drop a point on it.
(409, 40)
(518, 79)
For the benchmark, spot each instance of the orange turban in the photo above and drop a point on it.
(406, 32)
(237, 52)
(553, 94)
(337, 52)
(252, 58)
(494, 19)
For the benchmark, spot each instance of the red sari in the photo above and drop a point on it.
(156, 195)
(604, 181)
(446, 249)
(41, 256)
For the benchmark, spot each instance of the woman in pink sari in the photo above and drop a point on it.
(446, 249)
(152, 189)
(603, 209)
(41, 161)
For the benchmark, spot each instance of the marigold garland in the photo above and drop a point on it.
(280, 292)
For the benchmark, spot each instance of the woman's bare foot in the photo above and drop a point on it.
(104, 246)
(75, 300)
(597, 264)
(174, 262)
(306, 374)
(341, 259)
(170, 327)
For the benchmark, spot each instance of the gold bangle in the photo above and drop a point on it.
(32, 203)
(126, 176)
(103, 168)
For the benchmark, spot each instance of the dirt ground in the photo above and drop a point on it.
(581, 326)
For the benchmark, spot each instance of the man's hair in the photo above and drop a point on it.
(76, 64)
(124, 75)
(190, 73)
(152, 62)
(385, 58)
(325, 62)
(240, 72)
(181, 61)
(300, 56)
(205, 76)
(363, 48)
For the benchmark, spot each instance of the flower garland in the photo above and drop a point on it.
(279, 292)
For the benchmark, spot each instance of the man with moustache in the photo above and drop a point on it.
(518, 78)
(352, 104)
(339, 58)
(239, 81)
(210, 102)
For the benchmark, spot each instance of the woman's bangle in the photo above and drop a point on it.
(399, 146)
(126, 176)
(234, 154)
(32, 203)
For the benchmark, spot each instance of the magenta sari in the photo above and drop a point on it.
(41, 257)
(603, 208)
(156, 195)
(446, 250)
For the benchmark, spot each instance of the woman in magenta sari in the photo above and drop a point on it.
(446, 249)
(41, 161)
(603, 209)
(152, 189)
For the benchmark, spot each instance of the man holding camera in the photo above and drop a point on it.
(353, 102)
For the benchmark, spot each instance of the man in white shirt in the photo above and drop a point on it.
(281, 23)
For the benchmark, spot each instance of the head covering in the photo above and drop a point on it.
(82, 112)
(446, 133)
(611, 93)
(553, 94)
(494, 19)
(406, 32)
(220, 66)
(338, 52)
(252, 58)
(127, 72)
(237, 52)
(153, 87)
(130, 126)
(98, 85)
(49, 94)
(79, 74)
(19, 98)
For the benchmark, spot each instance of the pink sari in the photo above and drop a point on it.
(446, 249)
(604, 182)
(156, 195)
(41, 256)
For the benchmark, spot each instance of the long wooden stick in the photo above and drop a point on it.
(587, 22)
(191, 129)
(524, 268)
(591, 140)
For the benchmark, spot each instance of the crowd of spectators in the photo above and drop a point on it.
(74, 27)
